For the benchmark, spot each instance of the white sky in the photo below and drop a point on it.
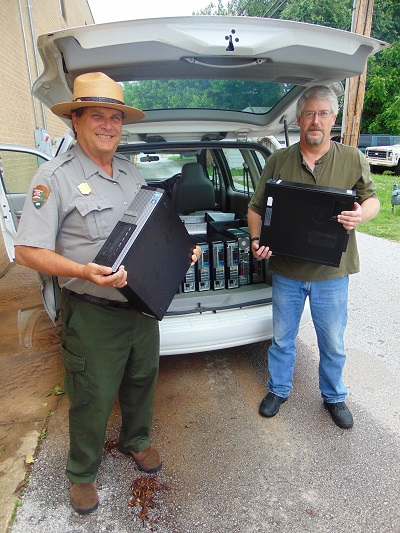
(114, 10)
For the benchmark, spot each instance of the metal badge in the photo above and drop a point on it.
(84, 188)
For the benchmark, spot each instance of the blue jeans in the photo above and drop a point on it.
(328, 304)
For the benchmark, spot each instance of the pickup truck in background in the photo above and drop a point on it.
(376, 139)
(382, 158)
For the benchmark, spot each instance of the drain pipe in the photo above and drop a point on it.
(28, 63)
(35, 53)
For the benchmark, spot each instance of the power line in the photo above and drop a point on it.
(273, 7)
(268, 13)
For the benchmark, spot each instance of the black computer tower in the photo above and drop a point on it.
(244, 251)
(189, 281)
(231, 249)
(257, 266)
(203, 265)
(155, 248)
(300, 221)
(217, 262)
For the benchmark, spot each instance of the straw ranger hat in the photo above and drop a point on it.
(96, 89)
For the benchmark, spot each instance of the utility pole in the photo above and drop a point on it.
(355, 86)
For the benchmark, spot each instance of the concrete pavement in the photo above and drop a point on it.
(230, 470)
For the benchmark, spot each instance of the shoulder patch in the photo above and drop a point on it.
(40, 195)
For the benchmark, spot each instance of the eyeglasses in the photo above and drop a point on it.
(323, 115)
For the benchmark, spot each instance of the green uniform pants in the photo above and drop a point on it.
(107, 351)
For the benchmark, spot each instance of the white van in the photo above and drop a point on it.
(215, 90)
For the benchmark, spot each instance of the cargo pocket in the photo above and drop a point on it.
(76, 382)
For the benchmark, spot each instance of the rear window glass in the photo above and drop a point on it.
(163, 165)
(235, 95)
(239, 168)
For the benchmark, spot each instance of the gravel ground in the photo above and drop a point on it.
(230, 470)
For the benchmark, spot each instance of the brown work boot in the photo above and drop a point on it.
(147, 460)
(84, 497)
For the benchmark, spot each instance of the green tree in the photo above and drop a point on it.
(250, 8)
(381, 105)
(386, 20)
(218, 94)
(333, 13)
(383, 93)
(381, 112)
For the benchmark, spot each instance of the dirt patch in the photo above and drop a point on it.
(30, 369)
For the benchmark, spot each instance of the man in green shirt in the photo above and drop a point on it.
(317, 160)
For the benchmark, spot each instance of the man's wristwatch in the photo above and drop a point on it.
(255, 239)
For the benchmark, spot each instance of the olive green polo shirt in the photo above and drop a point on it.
(342, 167)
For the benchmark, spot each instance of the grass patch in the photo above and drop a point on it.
(17, 504)
(386, 224)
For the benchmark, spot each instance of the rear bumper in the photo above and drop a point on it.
(217, 330)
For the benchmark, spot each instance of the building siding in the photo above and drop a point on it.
(21, 114)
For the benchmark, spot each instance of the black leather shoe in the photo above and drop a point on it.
(270, 405)
(340, 414)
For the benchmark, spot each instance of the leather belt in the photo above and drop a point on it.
(105, 302)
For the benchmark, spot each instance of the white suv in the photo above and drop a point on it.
(215, 90)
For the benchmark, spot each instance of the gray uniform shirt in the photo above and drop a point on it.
(82, 207)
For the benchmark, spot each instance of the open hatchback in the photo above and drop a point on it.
(215, 90)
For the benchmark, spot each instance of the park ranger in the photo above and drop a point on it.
(109, 348)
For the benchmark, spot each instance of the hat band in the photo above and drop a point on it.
(100, 99)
